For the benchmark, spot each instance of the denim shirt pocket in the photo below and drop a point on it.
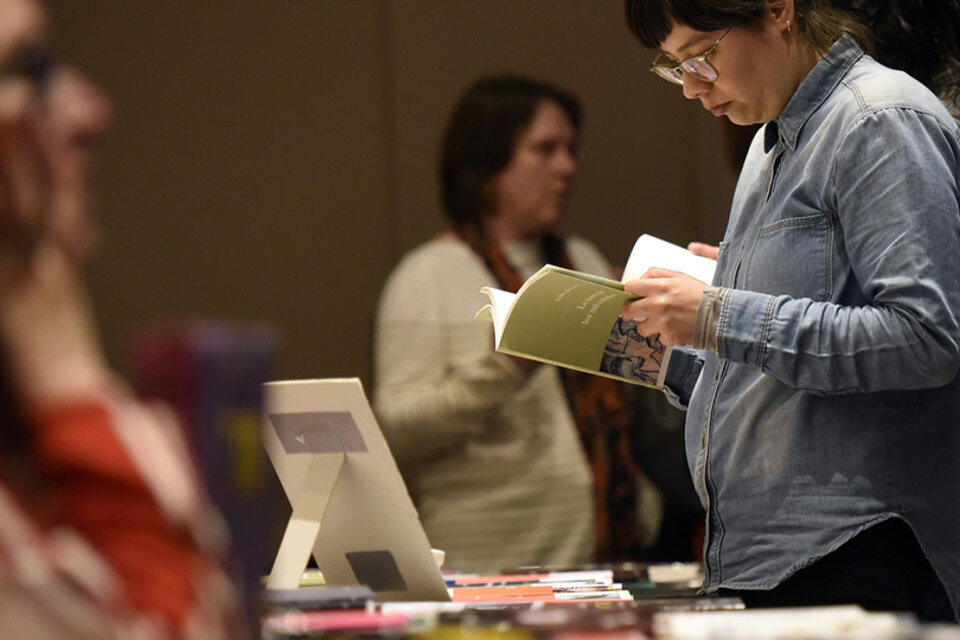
(792, 257)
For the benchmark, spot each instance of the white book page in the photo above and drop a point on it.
(650, 251)
(500, 304)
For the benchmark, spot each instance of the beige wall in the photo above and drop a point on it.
(273, 159)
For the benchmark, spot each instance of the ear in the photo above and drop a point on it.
(781, 13)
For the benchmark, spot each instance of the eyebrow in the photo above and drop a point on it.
(686, 46)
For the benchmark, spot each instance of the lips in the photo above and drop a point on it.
(719, 109)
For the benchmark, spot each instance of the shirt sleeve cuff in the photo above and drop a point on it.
(708, 318)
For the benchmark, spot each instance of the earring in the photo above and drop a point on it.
(788, 24)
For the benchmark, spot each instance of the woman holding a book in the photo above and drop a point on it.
(822, 395)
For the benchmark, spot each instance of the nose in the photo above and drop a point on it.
(79, 112)
(566, 161)
(694, 88)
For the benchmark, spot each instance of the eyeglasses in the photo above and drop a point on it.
(697, 66)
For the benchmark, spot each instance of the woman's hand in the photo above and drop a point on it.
(24, 182)
(47, 327)
(667, 305)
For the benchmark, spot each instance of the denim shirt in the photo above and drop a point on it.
(832, 401)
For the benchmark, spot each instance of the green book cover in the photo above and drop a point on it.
(560, 317)
(565, 317)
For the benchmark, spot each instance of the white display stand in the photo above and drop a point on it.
(351, 508)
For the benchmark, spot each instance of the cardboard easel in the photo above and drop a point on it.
(351, 508)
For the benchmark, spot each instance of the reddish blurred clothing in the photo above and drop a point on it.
(117, 538)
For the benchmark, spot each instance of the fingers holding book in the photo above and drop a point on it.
(666, 305)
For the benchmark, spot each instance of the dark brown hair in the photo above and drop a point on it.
(481, 136)
(817, 22)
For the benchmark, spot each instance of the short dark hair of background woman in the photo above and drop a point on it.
(481, 135)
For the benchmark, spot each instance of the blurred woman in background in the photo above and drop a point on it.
(507, 460)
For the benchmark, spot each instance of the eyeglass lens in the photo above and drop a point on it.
(699, 68)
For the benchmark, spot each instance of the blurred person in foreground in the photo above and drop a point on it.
(824, 374)
(105, 531)
(509, 462)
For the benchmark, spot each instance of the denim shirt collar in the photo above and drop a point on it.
(811, 93)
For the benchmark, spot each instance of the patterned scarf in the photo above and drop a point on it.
(600, 413)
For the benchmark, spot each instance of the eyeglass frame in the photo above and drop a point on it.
(668, 71)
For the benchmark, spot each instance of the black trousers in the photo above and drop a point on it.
(881, 569)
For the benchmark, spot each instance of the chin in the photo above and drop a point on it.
(741, 121)
(541, 226)
(555, 217)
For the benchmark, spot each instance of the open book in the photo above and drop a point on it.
(572, 319)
